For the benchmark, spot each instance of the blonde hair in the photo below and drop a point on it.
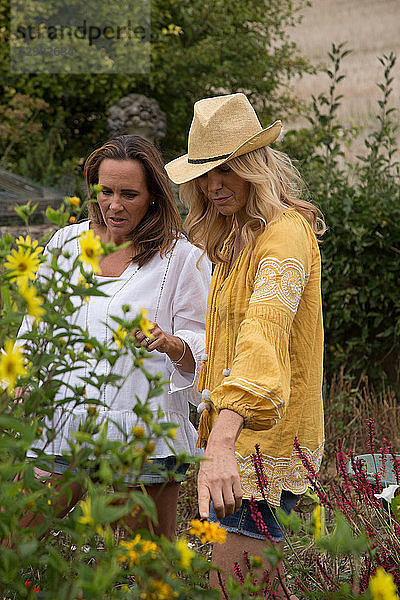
(275, 185)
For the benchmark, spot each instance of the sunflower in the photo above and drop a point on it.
(29, 245)
(33, 302)
(382, 586)
(186, 555)
(22, 265)
(11, 365)
(90, 250)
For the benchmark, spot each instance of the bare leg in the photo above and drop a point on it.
(165, 497)
(225, 556)
(60, 500)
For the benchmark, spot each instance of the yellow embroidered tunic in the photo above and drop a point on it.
(264, 353)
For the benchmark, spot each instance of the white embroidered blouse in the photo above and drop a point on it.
(174, 291)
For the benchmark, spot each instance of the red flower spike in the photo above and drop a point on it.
(238, 573)
(370, 423)
(257, 517)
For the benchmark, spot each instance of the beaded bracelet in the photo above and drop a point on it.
(177, 362)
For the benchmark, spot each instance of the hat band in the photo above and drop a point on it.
(200, 161)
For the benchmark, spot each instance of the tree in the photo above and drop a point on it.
(199, 48)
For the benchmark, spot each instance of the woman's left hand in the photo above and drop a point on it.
(173, 346)
(159, 341)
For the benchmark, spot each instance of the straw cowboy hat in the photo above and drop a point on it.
(223, 127)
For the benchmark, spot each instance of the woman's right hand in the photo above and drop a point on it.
(218, 478)
(20, 395)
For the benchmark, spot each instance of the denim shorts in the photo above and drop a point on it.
(160, 470)
(243, 523)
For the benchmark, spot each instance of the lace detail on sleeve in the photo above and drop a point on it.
(281, 279)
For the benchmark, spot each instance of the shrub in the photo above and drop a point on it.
(361, 202)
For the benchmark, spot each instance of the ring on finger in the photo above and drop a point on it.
(147, 340)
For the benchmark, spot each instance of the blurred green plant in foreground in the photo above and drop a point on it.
(77, 556)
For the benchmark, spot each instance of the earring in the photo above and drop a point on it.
(152, 203)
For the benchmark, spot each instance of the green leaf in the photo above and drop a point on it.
(27, 549)
(58, 217)
(342, 541)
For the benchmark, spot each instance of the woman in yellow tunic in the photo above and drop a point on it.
(261, 378)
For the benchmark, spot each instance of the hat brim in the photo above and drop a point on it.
(181, 171)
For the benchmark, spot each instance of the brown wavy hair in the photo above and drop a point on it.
(275, 185)
(161, 225)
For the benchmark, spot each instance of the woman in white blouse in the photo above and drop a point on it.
(157, 271)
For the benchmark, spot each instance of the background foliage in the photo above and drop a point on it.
(361, 202)
(194, 54)
(50, 122)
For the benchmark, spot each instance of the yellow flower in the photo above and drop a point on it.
(209, 532)
(382, 586)
(172, 30)
(28, 244)
(90, 249)
(49, 486)
(256, 562)
(119, 336)
(74, 200)
(130, 556)
(86, 518)
(33, 302)
(138, 431)
(144, 324)
(159, 590)
(11, 365)
(133, 557)
(317, 522)
(96, 188)
(149, 447)
(136, 548)
(149, 547)
(172, 433)
(22, 265)
(186, 555)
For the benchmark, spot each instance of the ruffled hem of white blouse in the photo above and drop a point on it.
(185, 440)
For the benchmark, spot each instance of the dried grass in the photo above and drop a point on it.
(370, 28)
(347, 406)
